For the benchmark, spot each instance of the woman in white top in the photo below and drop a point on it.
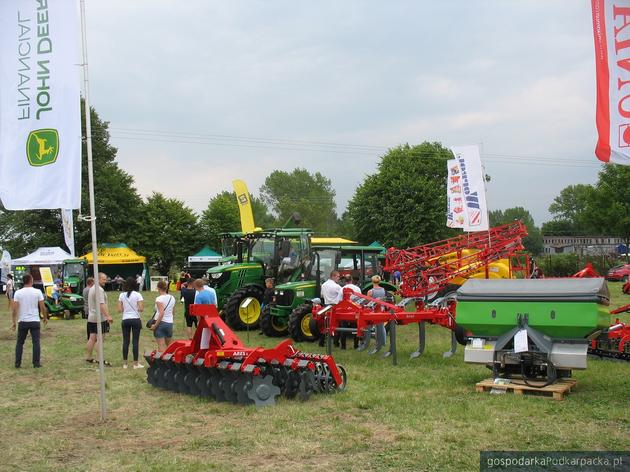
(131, 304)
(164, 310)
(10, 287)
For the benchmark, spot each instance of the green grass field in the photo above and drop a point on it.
(421, 415)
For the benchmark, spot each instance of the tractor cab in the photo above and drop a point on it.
(290, 311)
(74, 275)
(281, 254)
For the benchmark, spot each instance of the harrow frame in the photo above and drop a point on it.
(216, 364)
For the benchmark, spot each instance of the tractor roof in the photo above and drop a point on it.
(279, 232)
(347, 248)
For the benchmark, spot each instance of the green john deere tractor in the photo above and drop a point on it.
(290, 313)
(278, 253)
(75, 274)
(71, 303)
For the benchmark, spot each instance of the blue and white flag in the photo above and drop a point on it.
(473, 188)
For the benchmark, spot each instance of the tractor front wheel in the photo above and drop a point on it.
(242, 310)
(300, 324)
(272, 326)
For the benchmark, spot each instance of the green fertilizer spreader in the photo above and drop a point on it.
(537, 328)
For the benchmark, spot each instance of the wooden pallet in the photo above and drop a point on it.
(556, 390)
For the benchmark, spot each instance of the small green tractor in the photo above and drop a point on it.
(281, 254)
(75, 275)
(290, 313)
(71, 303)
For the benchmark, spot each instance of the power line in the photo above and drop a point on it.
(257, 143)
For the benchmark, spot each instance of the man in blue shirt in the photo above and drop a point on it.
(205, 295)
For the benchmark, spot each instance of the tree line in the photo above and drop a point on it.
(402, 204)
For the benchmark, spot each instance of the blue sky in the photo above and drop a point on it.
(198, 93)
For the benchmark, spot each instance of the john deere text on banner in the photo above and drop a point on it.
(473, 188)
(40, 125)
(611, 29)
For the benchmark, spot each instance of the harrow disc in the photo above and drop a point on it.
(292, 384)
(179, 378)
(169, 376)
(262, 391)
(151, 374)
(216, 376)
(190, 379)
(307, 385)
(242, 385)
(344, 379)
(225, 384)
(203, 382)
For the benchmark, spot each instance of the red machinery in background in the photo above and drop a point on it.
(216, 364)
(615, 342)
(587, 272)
(425, 270)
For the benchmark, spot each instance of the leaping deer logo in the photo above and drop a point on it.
(42, 149)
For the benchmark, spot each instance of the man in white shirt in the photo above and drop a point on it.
(350, 283)
(140, 282)
(28, 302)
(97, 313)
(331, 290)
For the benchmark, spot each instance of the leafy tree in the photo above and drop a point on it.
(345, 227)
(533, 242)
(571, 209)
(559, 227)
(311, 195)
(116, 200)
(169, 232)
(24, 231)
(117, 205)
(222, 215)
(404, 203)
(609, 210)
(599, 210)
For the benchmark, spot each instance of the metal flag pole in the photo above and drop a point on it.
(92, 217)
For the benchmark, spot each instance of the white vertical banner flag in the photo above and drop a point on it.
(611, 30)
(67, 222)
(473, 187)
(40, 125)
(454, 196)
(5, 265)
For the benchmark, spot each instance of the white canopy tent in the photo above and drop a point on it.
(44, 256)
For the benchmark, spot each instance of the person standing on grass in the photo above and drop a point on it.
(28, 303)
(187, 294)
(131, 304)
(205, 295)
(97, 313)
(379, 293)
(213, 292)
(164, 310)
(10, 289)
(269, 292)
(331, 290)
(332, 294)
(89, 283)
(351, 283)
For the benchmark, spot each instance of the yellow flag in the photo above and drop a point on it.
(244, 206)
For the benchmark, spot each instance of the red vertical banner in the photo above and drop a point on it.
(611, 32)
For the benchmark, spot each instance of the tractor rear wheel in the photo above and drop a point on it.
(242, 310)
(273, 326)
(300, 324)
